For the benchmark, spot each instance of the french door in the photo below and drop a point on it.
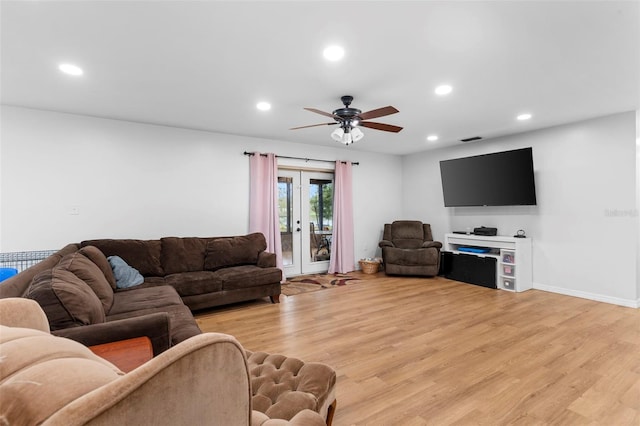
(305, 200)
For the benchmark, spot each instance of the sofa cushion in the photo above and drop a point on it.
(144, 255)
(153, 281)
(18, 285)
(417, 257)
(182, 254)
(89, 272)
(247, 276)
(42, 373)
(133, 301)
(192, 283)
(66, 299)
(96, 256)
(181, 320)
(407, 234)
(407, 229)
(234, 251)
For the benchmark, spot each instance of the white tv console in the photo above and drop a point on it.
(514, 271)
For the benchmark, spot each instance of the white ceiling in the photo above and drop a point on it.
(205, 64)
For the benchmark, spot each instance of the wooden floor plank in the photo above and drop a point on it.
(416, 351)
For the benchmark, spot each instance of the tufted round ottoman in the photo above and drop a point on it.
(283, 386)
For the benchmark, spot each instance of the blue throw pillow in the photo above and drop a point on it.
(125, 275)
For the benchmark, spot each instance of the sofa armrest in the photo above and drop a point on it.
(266, 259)
(154, 326)
(385, 243)
(21, 312)
(203, 379)
(434, 244)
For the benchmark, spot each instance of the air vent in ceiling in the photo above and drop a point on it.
(475, 138)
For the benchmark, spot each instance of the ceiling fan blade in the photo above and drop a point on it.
(313, 125)
(317, 111)
(380, 112)
(380, 126)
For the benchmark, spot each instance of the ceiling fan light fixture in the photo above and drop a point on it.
(347, 134)
(347, 139)
(349, 118)
(337, 134)
(356, 134)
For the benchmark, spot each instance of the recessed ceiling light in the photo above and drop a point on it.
(333, 53)
(432, 138)
(263, 106)
(523, 117)
(443, 89)
(70, 69)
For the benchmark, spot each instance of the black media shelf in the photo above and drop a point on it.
(468, 268)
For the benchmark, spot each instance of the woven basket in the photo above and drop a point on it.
(369, 266)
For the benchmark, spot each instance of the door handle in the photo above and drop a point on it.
(298, 229)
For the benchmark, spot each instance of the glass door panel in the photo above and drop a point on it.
(289, 215)
(306, 220)
(285, 207)
(320, 218)
(317, 214)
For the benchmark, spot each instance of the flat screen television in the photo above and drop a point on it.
(498, 179)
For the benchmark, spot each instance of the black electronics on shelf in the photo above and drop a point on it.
(484, 231)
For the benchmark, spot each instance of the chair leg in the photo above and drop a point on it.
(331, 411)
(275, 298)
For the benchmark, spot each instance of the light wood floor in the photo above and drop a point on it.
(412, 351)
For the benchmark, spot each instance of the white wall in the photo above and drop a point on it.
(131, 180)
(585, 226)
(637, 212)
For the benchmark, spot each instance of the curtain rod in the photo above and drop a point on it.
(300, 158)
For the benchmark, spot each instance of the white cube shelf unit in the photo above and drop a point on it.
(514, 270)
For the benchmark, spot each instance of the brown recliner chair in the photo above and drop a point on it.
(408, 249)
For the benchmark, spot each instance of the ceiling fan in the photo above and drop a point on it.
(350, 118)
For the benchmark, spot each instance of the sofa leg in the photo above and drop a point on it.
(331, 411)
(275, 298)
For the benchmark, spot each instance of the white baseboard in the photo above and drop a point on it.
(629, 303)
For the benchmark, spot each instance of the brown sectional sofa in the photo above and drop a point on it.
(205, 272)
(77, 290)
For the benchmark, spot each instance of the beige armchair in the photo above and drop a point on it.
(49, 380)
(408, 249)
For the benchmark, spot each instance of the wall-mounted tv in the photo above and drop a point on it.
(498, 179)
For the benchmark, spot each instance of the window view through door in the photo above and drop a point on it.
(320, 218)
(285, 207)
(306, 220)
